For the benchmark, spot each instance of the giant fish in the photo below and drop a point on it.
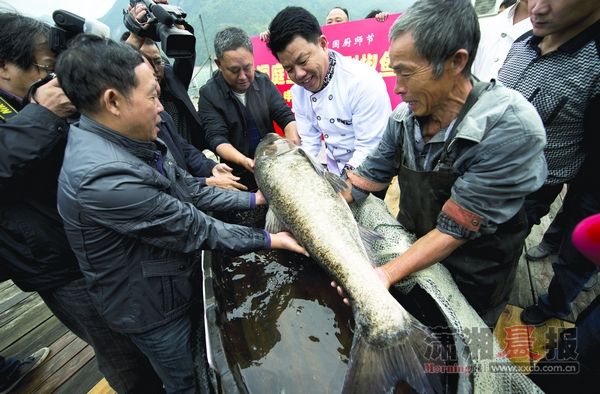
(390, 347)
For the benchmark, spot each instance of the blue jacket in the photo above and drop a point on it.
(133, 220)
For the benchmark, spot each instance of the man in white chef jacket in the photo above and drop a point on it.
(342, 100)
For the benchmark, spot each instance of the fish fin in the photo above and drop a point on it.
(336, 181)
(381, 368)
(368, 237)
(316, 165)
(272, 223)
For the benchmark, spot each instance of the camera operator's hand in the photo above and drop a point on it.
(51, 96)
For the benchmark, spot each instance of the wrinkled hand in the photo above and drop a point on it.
(264, 36)
(382, 16)
(248, 164)
(286, 241)
(51, 96)
(381, 274)
(223, 178)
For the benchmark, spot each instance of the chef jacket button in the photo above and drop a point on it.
(330, 97)
(348, 150)
(503, 35)
(326, 135)
(331, 120)
(314, 99)
(318, 118)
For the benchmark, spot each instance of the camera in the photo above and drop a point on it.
(68, 25)
(161, 19)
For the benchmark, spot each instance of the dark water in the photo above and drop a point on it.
(285, 329)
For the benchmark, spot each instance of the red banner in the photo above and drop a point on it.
(365, 40)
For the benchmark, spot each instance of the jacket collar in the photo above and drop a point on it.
(145, 150)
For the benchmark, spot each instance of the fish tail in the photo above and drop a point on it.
(395, 363)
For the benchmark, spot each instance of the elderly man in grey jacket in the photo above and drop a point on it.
(466, 154)
(131, 215)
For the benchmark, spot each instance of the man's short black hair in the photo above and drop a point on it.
(19, 36)
(289, 23)
(93, 64)
(372, 14)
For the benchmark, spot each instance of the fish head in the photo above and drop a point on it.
(272, 145)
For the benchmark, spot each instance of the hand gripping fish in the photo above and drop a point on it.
(390, 347)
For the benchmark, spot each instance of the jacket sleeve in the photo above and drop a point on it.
(279, 111)
(143, 211)
(184, 67)
(213, 121)
(197, 163)
(26, 139)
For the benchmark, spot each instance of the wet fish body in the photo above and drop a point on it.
(389, 344)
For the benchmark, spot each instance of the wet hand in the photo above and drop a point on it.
(248, 164)
(286, 241)
(379, 271)
(51, 96)
(259, 198)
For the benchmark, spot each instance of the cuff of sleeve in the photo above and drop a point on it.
(447, 225)
(252, 200)
(365, 184)
(202, 181)
(463, 217)
(267, 240)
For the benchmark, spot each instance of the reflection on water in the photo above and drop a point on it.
(285, 329)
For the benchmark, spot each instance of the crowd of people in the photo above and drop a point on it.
(107, 197)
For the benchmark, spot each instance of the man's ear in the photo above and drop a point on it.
(112, 101)
(4, 70)
(459, 61)
(323, 41)
(218, 63)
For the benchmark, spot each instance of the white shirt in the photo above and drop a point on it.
(351, 113)
(497, 36)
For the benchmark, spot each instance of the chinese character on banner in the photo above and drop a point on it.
(519, 343)
(264, 68)
(370, 59)
(384, 63)
(277, 74)
(349, 39)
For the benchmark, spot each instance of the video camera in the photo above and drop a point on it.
(68, 25)
(160, 19)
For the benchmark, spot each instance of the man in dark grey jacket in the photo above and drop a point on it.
(238, 105)
(131, 215)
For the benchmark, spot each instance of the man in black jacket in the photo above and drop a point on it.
(238, 105)
(34, 251)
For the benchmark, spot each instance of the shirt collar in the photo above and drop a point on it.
(576, 43)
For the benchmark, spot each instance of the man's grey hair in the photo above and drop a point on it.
(230, 39)
(440, 28)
